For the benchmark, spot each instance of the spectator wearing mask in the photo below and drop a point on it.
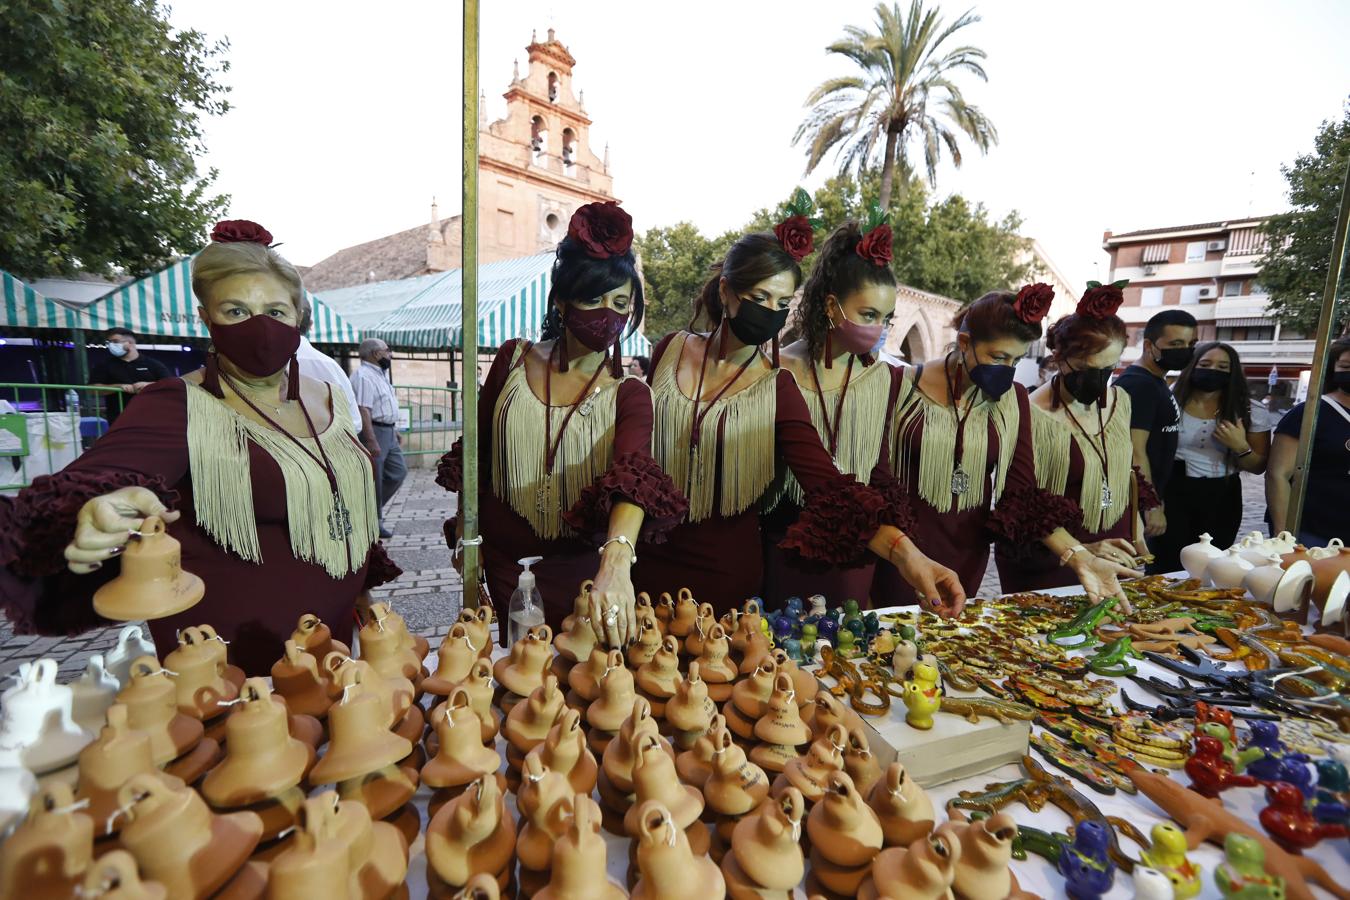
(1222, 434)
(127, 369)
(379, 421)
(1155, 417)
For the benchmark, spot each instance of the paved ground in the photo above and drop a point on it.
(429, 594)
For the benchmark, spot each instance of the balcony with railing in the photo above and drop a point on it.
(1275, 352)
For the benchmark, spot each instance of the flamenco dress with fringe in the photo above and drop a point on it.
(603, 456)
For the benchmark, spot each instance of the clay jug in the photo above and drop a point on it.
(860, 763)
(47, 855)
(584, 677)
(113, 876)
(296, 677)
(360, 741)
(178, 842)
(1227, 569)
(152, 707)
(842, 827)
(715, 659)
(261, 758)
(616, 697)
(152, 583)
(648, 642)
(38, 719)
(544, 801)
(1263, 578)
(668, 869)
(734, 785)
(92, 693)
(695, 764)
(315, 638)
(654, 778)
(782, 722)
(690, 711)
(924, 871)
(108, 763)
(826, 711)
(1195, 558)
(202, 689)
(810, 773)
(685, 615)
(579, 858)
(656, 678)
(529, 721)
(461, 756)
(986, 850)
(577, 641)
(767, 844)
(621, 754)
(471, 834)
(131, 646)
(902, 807)
(524, 670)
(564, 751)
(698, 635)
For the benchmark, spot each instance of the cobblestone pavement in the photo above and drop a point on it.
(429, 594)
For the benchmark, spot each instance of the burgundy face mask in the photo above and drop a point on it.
(854, 338)
(260, 345)
(596, 328)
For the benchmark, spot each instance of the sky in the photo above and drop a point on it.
(1111, 116)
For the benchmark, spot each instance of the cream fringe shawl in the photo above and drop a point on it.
(1051, 434)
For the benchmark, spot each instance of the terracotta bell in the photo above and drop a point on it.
(296, 676)
(735, 786)
(982, 871)
(396, 694)
(648, 641)
(698, 635)
(690, 711)
(152, 583)
(654, 779)
(902, 807)
(757, 649)
(685, 615)
(261, 758)
(131, 646)
(471, 834)
(38, 719)
(577, 641)
(810, 773)
(177, 840)
(656, 678)
(419, 645)
(200, 683)
(461, 757)
(750, 697)
(314, 866)
(924, 871)
(581, 605)
(315, 638)
(545, 804)
(377, 854)
(151, 700)
(524, 669)
(360, 740)
(386, 645)
(695, 764)
(529, 721)
(617, 694)
(110, 762)
(578, 866)
(715, 660)
(113, 876)
(621, 754)
(842, 827)
(46, 856)
(803, 682)
(92, 693)
(454, 660)
(766, 845)
(478, 623)
(782, 722)
(825, 711)
(478, 685)
(860, 762)
(584, 677)
(668, 868)
(564, 751)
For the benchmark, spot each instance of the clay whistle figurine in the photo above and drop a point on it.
(1331, 802)
(1242, 875)
(818, 606)
(1168, 856)
(923, 696)
(795, 607)
(1150, 884)
(1210, 771)
(1088, 872)
(848, 644)
(1289, 824)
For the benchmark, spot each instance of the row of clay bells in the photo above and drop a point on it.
(299, 676)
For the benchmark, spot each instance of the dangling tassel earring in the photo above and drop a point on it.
(615, 364)
(211, 377)
(775, 351)
(829, 346)
(293, 389)
(722, 340)
(562, 346)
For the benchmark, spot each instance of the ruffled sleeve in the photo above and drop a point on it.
(1025, 513)
(899, 510)
(450, 468)
(380, 569)
(1148, 494)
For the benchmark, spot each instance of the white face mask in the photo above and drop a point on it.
(117, 348)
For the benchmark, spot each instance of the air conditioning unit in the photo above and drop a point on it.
(1150, 270)
(1206, 292)
(1216, 245)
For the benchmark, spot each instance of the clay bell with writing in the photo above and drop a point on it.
(695, 764)
(808, 774)
(524, 670)
(47, 855)
(782, 722)
(120, 753)
(151, 700)
(648, 640)
(690, 711)
(734, 785)
(152, 583)
(656, 679)
(203, 690)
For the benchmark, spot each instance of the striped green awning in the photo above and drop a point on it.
(512, 303)
(26, 308)
(163, 305)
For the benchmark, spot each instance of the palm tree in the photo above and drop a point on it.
(904, 93)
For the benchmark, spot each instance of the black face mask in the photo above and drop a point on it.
(993, 380)
(385, 363)
(1087, 385)
(1341, 380)
(1174, 359)
(1209, 380)
(755, 324)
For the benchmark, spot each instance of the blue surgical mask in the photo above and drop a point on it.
(116, 348)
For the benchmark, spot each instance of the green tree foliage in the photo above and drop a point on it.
(101, 103)
(676, 263)
(1294, 268)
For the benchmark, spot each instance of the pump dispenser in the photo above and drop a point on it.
(527, 606)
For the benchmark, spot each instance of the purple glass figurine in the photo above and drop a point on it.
(828, 629)
(1088, 872)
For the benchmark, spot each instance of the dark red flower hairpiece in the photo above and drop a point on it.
(1033, 302)
(603, 230)
(241, 231)
(1100, 301)
(875, 246)
(797, 236)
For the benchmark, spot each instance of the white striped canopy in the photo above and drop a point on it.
(163, 305)
(512, 303)
(26, 308)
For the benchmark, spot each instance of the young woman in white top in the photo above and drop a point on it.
(1222, 434)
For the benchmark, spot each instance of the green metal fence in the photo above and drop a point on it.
(44, 427)
(429, 418)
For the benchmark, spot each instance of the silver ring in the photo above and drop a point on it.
(611, 619)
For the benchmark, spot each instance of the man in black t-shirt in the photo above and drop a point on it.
(1155, 418)
(126, 369)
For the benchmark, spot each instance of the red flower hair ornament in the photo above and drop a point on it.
(1100, 301)
(241, 231)
(1033, 302)
(797, 233)
(875, 246)
(603, 230)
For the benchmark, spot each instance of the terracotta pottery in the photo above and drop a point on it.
(387, 647)
(616, 697)
(577, 870)
(986, 850)
(478, 627)
(92, 693)
(1195, 558)
(47, 855)
(1227, 569)
(377, 854)
(314, 866)
(383, 792)
(1326, 572)
(860, 763)
(782, 721)
(528, 723)
(668, 869)
(751, 696)
(524, 670)
(735, 785)
(152, 707)
(685, 615)
(657, 678)
(202, 689)
(714, 659)
(923, 871)
(578, 640)
(545, 805)
(478, 685)
(178, 842)
(584, 677)
(620, 756)
(904, 810)
(664, 607)
(419, 645)
(396, 693)
(564, 751)
(109, 762)
(757, 649)
(803, 682)
(131, 646)
(315, 638)
(698, 635)
(743, 632)
(654, 778)
(471, 834)
(841, 825)
(690, 711)
(648, 642)
(191, 766)
(461, 757)
(766, 845)
(581, 605)
(695, 764)
(296, 677)
(261, 759)
(360, 741)
(810, 773)
(152, 583)
(826, 711)
(113, 876)
(38, 719)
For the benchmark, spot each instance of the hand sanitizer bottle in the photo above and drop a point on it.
(527, 607)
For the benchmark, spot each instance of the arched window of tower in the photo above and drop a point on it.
(569, 151)
(538, 139)
(552, 87)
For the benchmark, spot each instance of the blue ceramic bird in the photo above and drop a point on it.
(1088, 872)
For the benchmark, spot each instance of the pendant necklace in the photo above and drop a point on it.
(543, 495)
(1100, 452)
(832, 431)
(960, 477)
(695, 430)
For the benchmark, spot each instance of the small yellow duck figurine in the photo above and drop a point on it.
(923, 696)
(1168, 856)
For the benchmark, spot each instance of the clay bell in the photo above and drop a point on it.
(982, 871)
(396, 694)
(110, 762)
(581, 605)
(47, 855)
(151, 700)
(656, 678)
(360, 741)
(152, 583)
(478, 685)
(584, 677)
(668, 869)
(621, 754)
(461, 757)
(92, 693)
(261, 758)
(38, 720)
(766, 846)
(695, 763)
(825, 711)
(693, 644)
(654, 779)
(685, 615)
(478, 624)
(578, 865)
(544, 801)
(524, 670)
(202, 689)
(315, 638)
(750, 697)
(734, 785)
(810, 773)
(387, 646)
(177, 840)
(803, 682)
(454, 660)
(715, 661)
(419, 645)
(296, 676)
(782, 722)
(690, 711)
(845, 836)
(577, 641)
(615, 701)
(113, 876)
(924, 870)
(529, 721)
(377, 854)
(564, 751)
(902, 807)
(860, 762)
(648, 641)
(314, 866)
(472, 834)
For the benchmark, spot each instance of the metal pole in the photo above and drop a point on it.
(1319, 363)
(468, 497)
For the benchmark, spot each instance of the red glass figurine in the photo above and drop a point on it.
(1289, 823)
(1210, 772)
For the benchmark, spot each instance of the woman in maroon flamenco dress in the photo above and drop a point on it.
(565, 440)
(1080, 436)
(962, 450)
(726, 414)
(273, 497)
